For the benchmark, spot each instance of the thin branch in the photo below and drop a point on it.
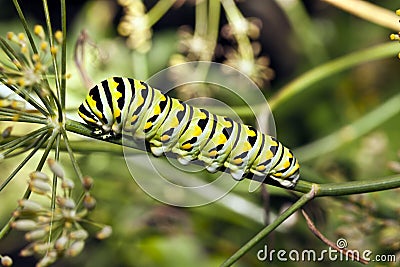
(79, 57)
(22, 113)
(39, 142)
(71, 156)
(63, 53)
(25, 25)
(158, 11)
(268, 229)
(54, 61)
(344, 251)
(329, 189)
(21, 140)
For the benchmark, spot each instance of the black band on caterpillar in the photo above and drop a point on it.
(169, 125)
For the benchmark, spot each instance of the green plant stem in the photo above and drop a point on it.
(336, 189)
(22, 119)
(304, 82)
(353, 187)
(214, 11)
(55, 182)
(158, 11)
(235, 16)
(54, 61)
(21, 142)
(38, 143)
(201, 18)
(63, 53)
(25, 25)
(269, 228)
(350, 132)
(71, 156)
(140, 66)
(12, 112)
(83, 147)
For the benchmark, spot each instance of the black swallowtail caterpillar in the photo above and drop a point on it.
(169, 125)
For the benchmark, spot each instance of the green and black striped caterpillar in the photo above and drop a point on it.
(123, 105)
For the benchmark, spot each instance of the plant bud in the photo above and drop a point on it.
(24, 225)
(6, 261)
(27, 251)
(38, 30)
(80, 234)
(30, 205)
(89, 202)
(67, 183)
(35, 234)
(67, 203)
(58, 36)
(61, 243)
(47, 260)
(75, 248)
(39, 175)
(87, 182)
(39, 186)
(41, 248)
(104, 233)
(56, 168)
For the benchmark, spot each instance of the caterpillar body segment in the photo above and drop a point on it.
(123, 105)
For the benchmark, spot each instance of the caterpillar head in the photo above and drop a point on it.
(98, 114)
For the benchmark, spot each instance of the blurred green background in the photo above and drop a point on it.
(150, 233)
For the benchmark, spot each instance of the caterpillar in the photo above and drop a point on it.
(167, 125)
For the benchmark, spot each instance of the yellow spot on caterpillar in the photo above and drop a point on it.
(247, 146)
(117, 95)
(148, 125)
(92, 104)
(197, 131)
(261, 168)
(117, 112)
(221, 139)
(186, 146)
(112, 84)
(174, 123)
(213, 153)
(228, 124)
(157, 110)
(140, 101)
(165, 137)
(88, 119)
(286, 164)
(237, 161)
(250, 133)
(138, 85)
(134, 118)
